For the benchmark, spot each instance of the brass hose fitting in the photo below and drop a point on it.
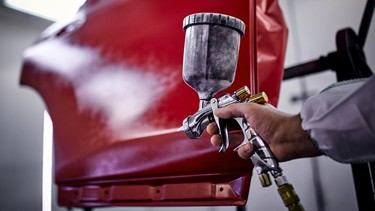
(290, 197)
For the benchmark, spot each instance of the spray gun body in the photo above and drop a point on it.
(210, 58)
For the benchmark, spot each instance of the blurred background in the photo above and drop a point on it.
(321, 183)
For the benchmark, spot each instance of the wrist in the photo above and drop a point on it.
(300, 143)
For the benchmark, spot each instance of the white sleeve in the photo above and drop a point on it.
(341, 121)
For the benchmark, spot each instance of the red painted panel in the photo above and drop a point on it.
(111, 81)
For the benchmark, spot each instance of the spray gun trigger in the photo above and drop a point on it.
(223, 131)
(224, 136)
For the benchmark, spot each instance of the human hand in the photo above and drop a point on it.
(283, 132)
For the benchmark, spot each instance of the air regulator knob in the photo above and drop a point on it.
(242, 93)
(259, 98)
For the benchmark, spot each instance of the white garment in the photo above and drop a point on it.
(341, 121)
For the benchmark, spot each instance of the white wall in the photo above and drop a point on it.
(312, 23)
(21, 114)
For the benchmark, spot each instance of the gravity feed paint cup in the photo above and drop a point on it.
(212, 43)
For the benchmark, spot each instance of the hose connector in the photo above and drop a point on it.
(290, 197)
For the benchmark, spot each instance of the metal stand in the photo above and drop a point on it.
(348, 62)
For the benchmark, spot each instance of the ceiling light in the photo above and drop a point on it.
(54, 10)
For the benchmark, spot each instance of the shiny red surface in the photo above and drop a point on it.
(111, 81)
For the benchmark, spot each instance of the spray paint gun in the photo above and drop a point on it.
(210, 58)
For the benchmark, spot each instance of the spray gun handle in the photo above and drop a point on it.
(262, 157)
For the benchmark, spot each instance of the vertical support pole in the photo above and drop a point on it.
(241, 208)
(252, 31)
